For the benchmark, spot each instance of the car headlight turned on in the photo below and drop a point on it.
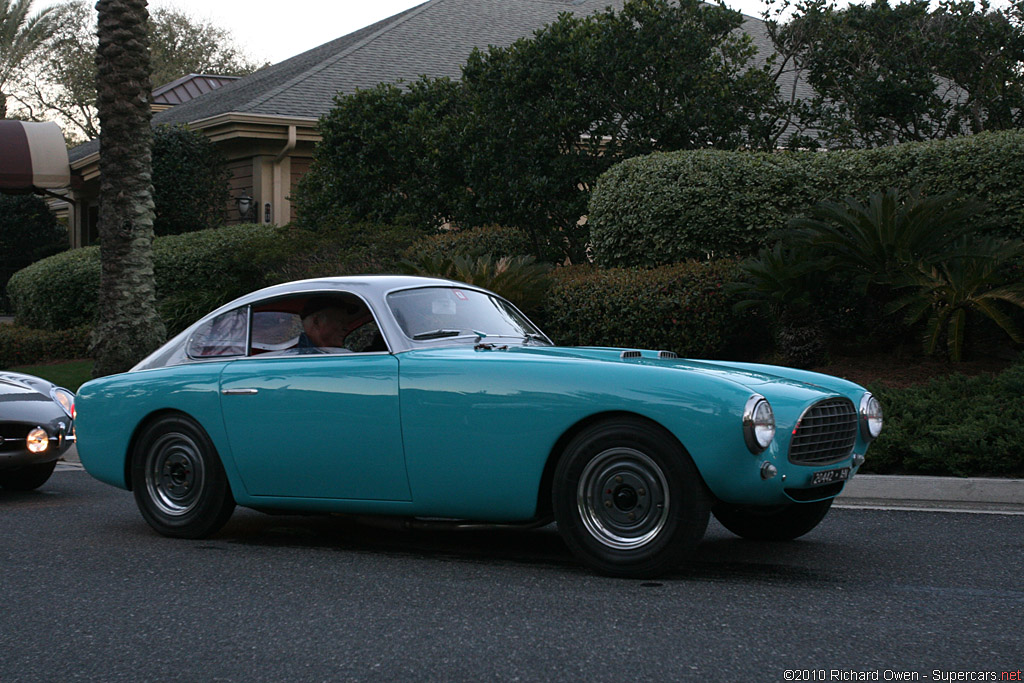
(37, 440)
(870, 417)
(758, 424)
(65, 399)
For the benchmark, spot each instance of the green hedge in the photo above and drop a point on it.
(956, 425)
(681, 308)
(198, 271)
(195, 272)
(665, 208)
(24, 346)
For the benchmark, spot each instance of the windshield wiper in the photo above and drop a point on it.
(437, 334)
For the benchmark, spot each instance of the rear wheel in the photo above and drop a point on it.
(28, 477)
(628, 500)
(179, 483)
(776, 523)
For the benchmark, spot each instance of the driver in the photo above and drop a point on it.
(326, 322)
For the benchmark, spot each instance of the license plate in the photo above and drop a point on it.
(830, 476)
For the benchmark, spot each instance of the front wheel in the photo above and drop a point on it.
(628, 500)
(179, 483)
(777, 523)
(28, 477)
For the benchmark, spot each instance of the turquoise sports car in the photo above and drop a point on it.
(440, 402)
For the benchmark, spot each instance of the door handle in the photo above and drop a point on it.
(239, 392)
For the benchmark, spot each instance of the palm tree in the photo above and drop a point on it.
(21, 37)
(128, 326)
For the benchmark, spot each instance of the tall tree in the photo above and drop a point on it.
(128, 326)
(887, 73)
(21, 37)
(522, 138)
(62, 85)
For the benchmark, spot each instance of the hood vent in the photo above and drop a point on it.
(630, 354)
(667, 355)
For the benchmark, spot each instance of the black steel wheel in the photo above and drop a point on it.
(776, 523)
(27, 477)
(179, 483)
(628, 500)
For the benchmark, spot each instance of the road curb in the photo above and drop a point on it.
(894, 490)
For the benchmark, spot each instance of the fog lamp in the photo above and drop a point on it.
(38, 440)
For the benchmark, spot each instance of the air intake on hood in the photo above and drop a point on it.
(630, 354)
(667, 355)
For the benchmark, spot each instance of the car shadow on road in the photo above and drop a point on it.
(718, 557)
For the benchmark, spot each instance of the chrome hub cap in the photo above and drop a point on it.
(174, 474)
(623, 498)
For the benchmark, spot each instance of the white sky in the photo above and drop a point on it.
(273, 30)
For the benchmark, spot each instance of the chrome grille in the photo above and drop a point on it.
(826, 433)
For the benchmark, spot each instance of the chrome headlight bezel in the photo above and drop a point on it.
(758, 424)
(65, 399)
(871, 419)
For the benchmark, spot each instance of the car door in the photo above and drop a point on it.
(320, 425)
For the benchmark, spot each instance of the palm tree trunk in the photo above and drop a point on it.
(128, 326)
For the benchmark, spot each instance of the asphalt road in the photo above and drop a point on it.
(90, 593)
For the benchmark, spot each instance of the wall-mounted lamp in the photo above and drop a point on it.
(245, 206)
(266, 213)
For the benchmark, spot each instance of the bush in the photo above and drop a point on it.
(59, 292)
(25, 346)
(28, 232)
(496, 240)
(194, 273)
(190, 181)
(682, 308)
(666, 208)
(956, 425)
(198, 271)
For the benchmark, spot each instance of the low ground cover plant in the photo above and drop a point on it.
(954, 425)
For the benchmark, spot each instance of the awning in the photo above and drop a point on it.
(33, 156)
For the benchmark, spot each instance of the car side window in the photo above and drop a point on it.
(222, 336)
(315, 324)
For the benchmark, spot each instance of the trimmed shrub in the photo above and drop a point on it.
(682, 308)
(190, 181)
(25, 346)
(665, 208)
(956, 425)
(59, 292)
(194, 273)
(198, 271)
(28, 232)
(496, 240)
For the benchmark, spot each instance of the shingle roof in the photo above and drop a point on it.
(432, 39)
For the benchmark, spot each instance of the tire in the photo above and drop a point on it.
(628, 500)
(179, 483)
(28, 477)
(777, 523)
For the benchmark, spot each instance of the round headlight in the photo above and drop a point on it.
(37, 440)
(758, 424)
(870, 417)
(65, 399)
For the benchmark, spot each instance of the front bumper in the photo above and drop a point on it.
(14, 451)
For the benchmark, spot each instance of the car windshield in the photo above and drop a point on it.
(431, 313)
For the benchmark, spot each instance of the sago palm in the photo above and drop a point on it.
(970, 281)
(876, 242)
